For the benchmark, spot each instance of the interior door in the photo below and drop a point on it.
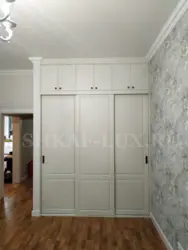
(95, 155)
(131, 148)
(58, 150)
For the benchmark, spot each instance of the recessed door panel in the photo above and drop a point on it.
(130, 195)
(94, 135)
(129, 135)
(94, 195)
(59, 195)
(58, 134)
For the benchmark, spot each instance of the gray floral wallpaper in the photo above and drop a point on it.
(169, 135)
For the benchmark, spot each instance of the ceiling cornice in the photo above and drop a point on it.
(176, 15)
(15, 72)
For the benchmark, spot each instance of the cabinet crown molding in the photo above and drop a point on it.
(135, 60)
(35, 59)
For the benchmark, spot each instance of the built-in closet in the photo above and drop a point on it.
(94, 138)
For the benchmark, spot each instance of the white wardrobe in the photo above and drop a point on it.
(94, 141)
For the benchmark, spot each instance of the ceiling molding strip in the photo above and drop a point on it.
(15, 72)
(176, 15)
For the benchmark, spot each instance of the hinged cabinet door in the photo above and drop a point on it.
(139, 76)
(66, 77)
(121, 76)
(49, 79)
(103, 77)
(84, 77)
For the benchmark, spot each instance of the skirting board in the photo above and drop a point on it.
(160, 231)
(36, 213)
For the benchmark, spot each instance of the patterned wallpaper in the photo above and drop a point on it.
(169, 135)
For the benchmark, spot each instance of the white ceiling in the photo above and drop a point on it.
(83, 28)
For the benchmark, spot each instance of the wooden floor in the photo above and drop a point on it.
(18, 231)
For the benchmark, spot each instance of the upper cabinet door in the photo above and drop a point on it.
(85, 77)
(66, 77)
(103, 77)
(49, 79)
(139, 76)
(120, 76)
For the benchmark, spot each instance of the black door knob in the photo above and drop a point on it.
(96, 88)
(91, 87)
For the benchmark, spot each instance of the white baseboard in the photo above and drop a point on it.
(36, 213)
(160, 231)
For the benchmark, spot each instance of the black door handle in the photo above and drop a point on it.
(146, 159)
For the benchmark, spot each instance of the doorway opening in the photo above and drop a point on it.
(18, 151)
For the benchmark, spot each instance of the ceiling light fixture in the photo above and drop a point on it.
(5, 21)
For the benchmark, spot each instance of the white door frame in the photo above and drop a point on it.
(3, 112)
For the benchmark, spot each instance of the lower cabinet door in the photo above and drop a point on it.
(58, 150)
(95, 155)
(131, 147)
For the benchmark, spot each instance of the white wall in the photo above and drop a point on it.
(16, 90)
(16, 96)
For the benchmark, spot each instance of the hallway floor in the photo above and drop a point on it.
(18, 231)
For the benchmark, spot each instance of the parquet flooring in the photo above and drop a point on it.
(19, 231)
